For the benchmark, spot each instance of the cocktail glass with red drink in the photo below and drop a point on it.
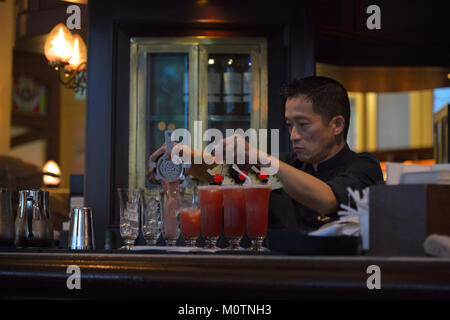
(190, 221)
(233, 214)
(256, 208)
(170, 202)
(210, 213)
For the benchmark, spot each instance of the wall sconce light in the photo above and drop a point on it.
(51, 174)
(67, 53)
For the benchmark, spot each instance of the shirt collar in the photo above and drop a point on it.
(331, 163)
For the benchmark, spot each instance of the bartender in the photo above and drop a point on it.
(317, 173)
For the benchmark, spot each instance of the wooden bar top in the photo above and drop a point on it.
(30, 275)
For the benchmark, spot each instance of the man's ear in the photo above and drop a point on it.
(338, 124)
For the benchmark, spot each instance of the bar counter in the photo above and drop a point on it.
(43, 275)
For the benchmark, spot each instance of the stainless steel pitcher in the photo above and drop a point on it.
(6, 218)
(32, 221)
(44, 200)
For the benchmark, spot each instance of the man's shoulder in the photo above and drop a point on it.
(366, 157)
(351, 158)
(368, 163)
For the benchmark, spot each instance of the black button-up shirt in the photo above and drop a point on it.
(345, 169)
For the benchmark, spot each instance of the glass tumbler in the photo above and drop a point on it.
(131, 203)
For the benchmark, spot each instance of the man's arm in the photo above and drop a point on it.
(302, 187)
(306, 189)
(324, 197)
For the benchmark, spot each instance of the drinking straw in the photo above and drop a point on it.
(350, 210)
(247, 178)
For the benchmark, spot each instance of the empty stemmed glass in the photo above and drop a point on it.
(151, 216)
(130, 210)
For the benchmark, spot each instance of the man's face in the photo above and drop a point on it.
(311, 138)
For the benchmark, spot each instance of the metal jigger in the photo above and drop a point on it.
(81, 231)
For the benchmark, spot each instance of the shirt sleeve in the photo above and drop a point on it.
(364, 171)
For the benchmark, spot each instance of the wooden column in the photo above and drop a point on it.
(6, 53)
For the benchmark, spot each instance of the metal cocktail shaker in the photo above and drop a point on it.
(81, 230)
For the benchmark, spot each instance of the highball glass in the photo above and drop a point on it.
(190, 219)
(210, 214)
(233, 214)
(257, 207)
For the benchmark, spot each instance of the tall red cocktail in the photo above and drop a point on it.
(210, 213)
(257, 208)
(170, 209)
(234, 214)
(190, 224)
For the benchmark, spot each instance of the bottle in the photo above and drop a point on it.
(214, 83)
(108, 240)
(247, 87)
(232, 87)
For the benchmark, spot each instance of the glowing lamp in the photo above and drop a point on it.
(79, 57)
(51, 174)
(67, 53)
(59, 44)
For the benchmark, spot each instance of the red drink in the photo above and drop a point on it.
(171, 205)
(257, 206)
(233, 211)
(210, 211)
(190, 222)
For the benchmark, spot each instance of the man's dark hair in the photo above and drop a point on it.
(329, 98)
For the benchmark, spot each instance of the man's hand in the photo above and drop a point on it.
(154, 156)
(177, 148)
(197, 171)
(237, 150)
